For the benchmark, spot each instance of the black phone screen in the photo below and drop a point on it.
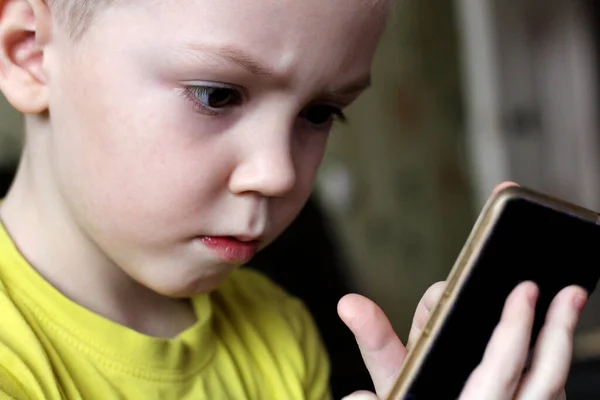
(529, 242)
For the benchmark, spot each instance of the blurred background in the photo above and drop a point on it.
(466, 94)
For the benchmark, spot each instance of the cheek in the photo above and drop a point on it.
(128, 153)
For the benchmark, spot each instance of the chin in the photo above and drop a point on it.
(182, 287)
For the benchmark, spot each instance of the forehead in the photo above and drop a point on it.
(283, 15)
(284, 34)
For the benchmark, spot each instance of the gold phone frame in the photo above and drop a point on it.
(462, 268)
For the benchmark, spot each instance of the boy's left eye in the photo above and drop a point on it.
(211, 99)
(320, 115)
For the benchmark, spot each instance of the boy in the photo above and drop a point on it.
(167, 142)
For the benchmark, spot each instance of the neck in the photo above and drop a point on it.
(38, 219)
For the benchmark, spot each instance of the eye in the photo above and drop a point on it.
(213, 99)
(322, 115)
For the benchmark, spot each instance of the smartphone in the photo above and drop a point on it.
(519, 236)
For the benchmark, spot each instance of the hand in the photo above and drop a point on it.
(381, 349)
(499, 375)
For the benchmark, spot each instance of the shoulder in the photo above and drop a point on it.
(22, 359)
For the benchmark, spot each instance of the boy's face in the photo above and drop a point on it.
(177, 125)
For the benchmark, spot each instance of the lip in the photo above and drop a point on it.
(231, 248)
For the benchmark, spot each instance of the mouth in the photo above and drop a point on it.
(239, 250)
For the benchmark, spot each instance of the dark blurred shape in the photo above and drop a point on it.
(584, 380)
(6, 177)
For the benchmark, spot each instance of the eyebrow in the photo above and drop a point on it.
(234, 55)
(353, 88)
(243, 59)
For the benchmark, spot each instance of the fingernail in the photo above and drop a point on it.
(532, 295)
(579, 302)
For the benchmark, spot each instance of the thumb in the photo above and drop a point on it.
(361, 395)
(381, 349)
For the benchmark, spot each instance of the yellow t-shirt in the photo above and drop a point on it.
(251, 341)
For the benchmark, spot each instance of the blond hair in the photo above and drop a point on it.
(77, 15)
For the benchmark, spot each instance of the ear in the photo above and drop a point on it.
(24, 31)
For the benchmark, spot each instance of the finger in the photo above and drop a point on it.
(379, 345)
(499, 373)
(361, 395)
(552, 355)
(426, 304)
(502, 186)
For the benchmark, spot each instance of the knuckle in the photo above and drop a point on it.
(511, 377)
(477, 378)
(507, 372)
(488, 378)
(552, 390)
(559, 332)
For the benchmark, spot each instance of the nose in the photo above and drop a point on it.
(265, 168)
